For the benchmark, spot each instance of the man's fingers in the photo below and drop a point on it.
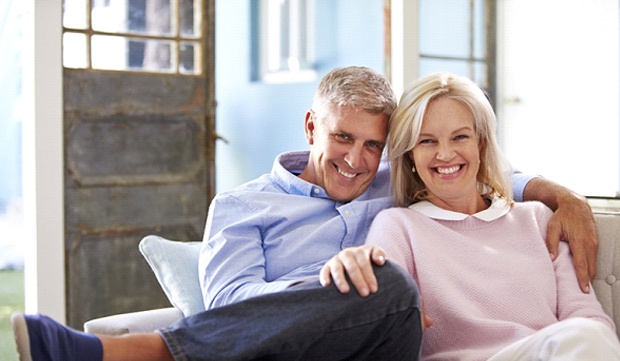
(554, 232)
(359, 270)
(338, 276)
(353, 266)
(591, 254)
(581, 267)
(325, 277)
(378, 256)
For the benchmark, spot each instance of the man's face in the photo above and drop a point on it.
(345, 151)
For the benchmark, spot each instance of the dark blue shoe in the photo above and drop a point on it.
(40, 338)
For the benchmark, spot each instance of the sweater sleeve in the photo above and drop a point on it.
(388, 231)
(571, 301)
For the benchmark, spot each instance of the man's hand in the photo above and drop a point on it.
(573, 222)
(356, 262)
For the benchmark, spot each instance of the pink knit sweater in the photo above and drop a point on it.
(487, 280)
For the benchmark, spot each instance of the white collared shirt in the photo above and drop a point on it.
(498, 208)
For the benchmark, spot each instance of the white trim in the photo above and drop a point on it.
(405, 44)
(300, 35)
(43, 160)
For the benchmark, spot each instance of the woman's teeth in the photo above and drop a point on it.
(449, 170)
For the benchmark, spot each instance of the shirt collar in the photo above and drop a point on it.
(498, 208)
(285, 171)
(287, 166)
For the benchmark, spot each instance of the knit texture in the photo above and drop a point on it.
(486, 284)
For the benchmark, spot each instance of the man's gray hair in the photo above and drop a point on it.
(358, 87)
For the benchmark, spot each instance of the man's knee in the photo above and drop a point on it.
(394, 281)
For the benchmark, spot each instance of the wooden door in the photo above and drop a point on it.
(139, 160)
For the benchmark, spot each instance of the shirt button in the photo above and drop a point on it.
(316, 191)
(347, 212)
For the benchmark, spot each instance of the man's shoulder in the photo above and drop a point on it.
(259, 186)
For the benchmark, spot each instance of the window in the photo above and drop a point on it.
(161, 36)
(558, 91)
(552, 68)
(284, 45)
(453, 38)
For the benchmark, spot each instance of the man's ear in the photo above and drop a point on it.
(309, 126)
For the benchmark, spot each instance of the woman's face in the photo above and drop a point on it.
(447, 155)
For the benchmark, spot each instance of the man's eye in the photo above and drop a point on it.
(343, 136)
(375, 145)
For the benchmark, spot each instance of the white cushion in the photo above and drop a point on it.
(176, 267)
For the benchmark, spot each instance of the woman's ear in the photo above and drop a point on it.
(309, 126)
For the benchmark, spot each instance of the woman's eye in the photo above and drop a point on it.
(426, 141)
(461, 136)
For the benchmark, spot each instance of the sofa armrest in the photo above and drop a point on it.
(142, 321)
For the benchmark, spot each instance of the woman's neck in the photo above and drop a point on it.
(466, 205)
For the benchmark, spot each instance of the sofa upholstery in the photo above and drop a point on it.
(606, 285)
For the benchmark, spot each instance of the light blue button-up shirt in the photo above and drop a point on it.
(278, 229)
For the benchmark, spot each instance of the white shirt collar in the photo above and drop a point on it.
(498, 208)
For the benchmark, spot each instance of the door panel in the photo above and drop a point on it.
(138, 160)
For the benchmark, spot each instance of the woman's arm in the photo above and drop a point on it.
(572, 222)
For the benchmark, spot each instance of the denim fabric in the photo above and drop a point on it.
(308, 322)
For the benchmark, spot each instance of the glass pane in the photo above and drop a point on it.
(480, 74)
(75, 13)
(149, 17)
(74, 50)
(190, 18)
(119, 53)
(444, 27)
(477, 71)
(189, 58)
(479, 29)
(458, 67)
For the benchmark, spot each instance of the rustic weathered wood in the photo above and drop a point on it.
(138, 160)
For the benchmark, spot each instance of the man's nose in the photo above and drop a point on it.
(354, 157)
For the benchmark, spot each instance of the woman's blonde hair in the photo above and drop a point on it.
(406, 123)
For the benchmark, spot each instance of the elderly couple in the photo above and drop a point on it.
(335, 255)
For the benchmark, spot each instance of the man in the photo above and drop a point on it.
(267, 241)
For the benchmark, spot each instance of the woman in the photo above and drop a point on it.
(480, 260)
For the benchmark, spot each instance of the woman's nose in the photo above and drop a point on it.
(445, 153)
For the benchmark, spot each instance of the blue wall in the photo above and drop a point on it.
(262, 120)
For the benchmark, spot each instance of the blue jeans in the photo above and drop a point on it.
(308, 322)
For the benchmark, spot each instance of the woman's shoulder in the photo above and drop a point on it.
(532, 209)
(532, 206)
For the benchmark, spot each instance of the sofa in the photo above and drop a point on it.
(175, 265)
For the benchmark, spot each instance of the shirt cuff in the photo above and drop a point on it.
(519, 181)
